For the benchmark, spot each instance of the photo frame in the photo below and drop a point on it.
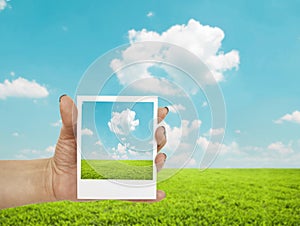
(116, 147)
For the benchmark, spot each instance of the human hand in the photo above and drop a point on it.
(63, 165)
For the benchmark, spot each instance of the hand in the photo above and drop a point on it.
(63, 164)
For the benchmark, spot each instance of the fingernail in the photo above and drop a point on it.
(167, 109)
(165, 156)
(62, 97)
(164, 130)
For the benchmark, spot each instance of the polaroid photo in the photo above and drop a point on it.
(116, 147)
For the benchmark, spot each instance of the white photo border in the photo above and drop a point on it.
(115, 188)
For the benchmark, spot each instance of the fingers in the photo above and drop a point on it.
(65, 151)
(160, 161)
(162, 113)
(68, 112)
(160, 137)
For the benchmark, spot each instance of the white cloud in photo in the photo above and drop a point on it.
(204, 104)
(133, 153)
(150, 14)
(123, 122)
(21, 87)
(87, 132)
(57, 123)
(121, 149)
(12, 73)
(176, 108)
(3, 4)
(293, 117)
(281, 148)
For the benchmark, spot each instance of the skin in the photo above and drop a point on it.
(55, 179)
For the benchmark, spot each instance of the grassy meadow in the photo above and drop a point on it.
(211, 197)
(117, 169)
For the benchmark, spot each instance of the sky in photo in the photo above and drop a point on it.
(252, 49)
(116, 130)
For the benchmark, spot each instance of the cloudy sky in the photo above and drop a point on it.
(116, 130)
(252, 50)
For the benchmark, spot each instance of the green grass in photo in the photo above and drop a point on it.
(117, 169)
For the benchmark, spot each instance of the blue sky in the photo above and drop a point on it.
(46, 46)
(117, 130)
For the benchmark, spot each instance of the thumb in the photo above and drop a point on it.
(68, 112)
(65, 151)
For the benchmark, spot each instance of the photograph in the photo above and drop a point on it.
(120, 128)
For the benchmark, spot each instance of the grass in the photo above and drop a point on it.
(212, 197)
(117, 169)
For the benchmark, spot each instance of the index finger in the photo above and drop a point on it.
(162, 113)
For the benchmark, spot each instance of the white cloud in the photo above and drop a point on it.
(216, 147)
(3, 4)
(215, 132)
(15, 134)
(204, 104)
(121, 149)
(281, 148)
(134, 153)
(87, 132)
(124, 122)
(50, 149)
(191, 163)
(294, 117)
(99, 143)
(202, 40)
(237, 131)
(57, 123)
(150, 14)
(177, 135)
(21, 87)
(176, 108)
(12, 73)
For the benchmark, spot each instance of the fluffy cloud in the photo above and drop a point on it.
(281, 148)
(202, 40)
(57, 123)
(99, 143)
(216, 147)
(294, 117)
(21, 87)
(176, 107)
(150, 14)
(3, 4)
(120, 152)
(179, 135)
(215, 132)
(50, 149)
(124, 122)
(87, 132)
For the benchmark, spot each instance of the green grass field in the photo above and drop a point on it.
(117, 169)
(212, 197)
